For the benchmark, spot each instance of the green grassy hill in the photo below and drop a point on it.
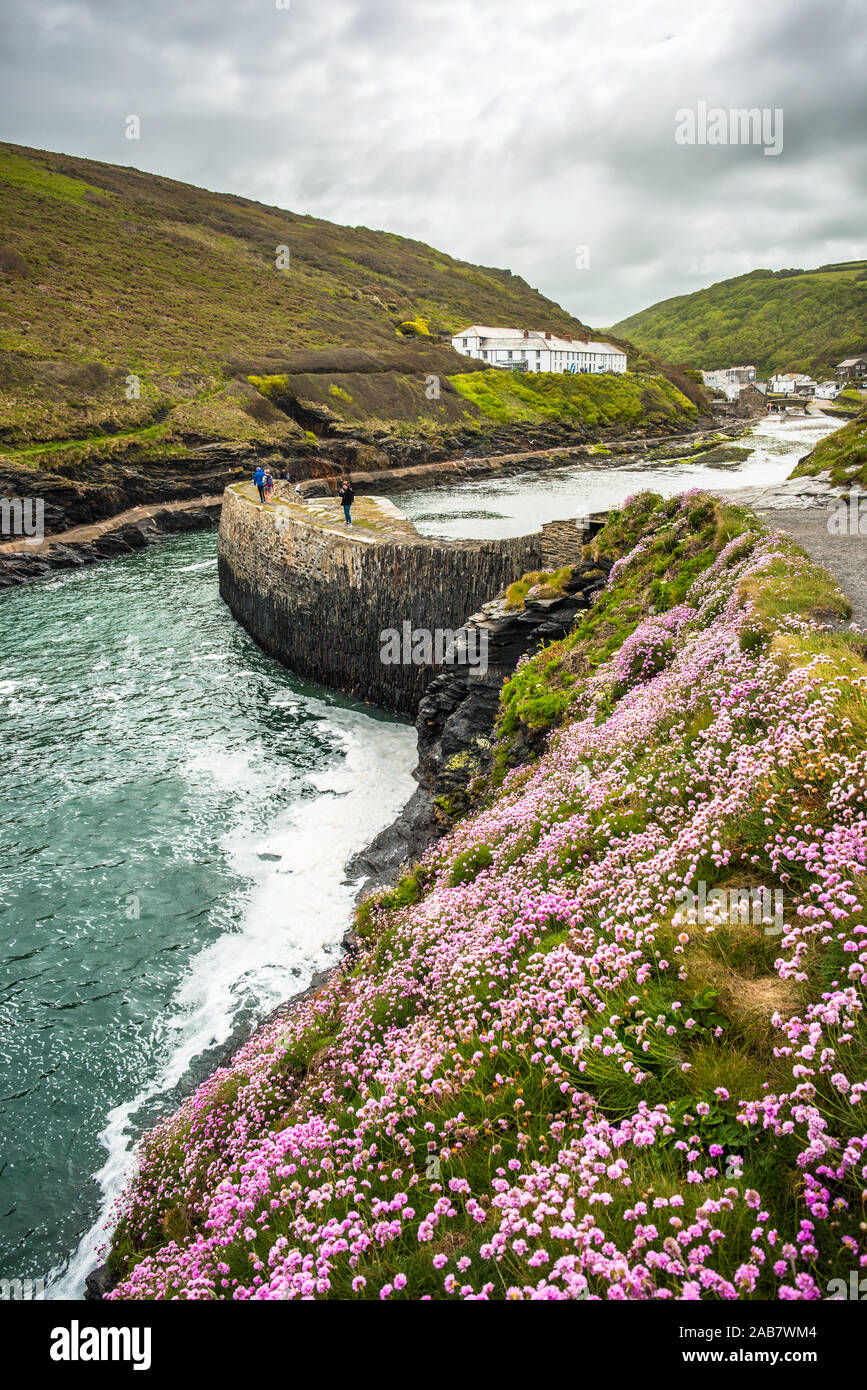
(107, 272)
(783, 320)
(151, 344)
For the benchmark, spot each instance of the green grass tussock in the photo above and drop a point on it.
(842, 454)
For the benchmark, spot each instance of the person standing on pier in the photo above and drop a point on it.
(347, 497)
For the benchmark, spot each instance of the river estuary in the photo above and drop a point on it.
(493, 508)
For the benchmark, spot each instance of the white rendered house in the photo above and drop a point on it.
(529, 351)
(792, 384)
(730, 380)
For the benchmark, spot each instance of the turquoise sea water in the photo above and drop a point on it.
(176, 815)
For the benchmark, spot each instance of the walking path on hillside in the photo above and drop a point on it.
(598, 455)
(802, 508)
(79, 535)
(843, 556)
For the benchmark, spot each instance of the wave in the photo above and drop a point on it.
(296, 911)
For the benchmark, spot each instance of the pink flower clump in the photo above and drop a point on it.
(522, 1093)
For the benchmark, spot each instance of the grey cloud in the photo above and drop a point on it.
(502, 133)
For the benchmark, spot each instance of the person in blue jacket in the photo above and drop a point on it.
(259, 480)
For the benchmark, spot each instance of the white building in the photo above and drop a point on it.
(730, 380)
(792, 384)
(828, 390)
(530, 351)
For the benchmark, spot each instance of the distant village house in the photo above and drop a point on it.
(792, 384)
(530, 351)
(827, 390)
(853, 371)
(730, 380)
(750, 399)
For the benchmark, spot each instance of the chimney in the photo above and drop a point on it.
(526, 332)
(568, 337)
(547, 334)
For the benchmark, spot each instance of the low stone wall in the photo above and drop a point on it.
(561, 542)
(319, 600)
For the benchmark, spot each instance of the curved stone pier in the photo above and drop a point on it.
(318, 595)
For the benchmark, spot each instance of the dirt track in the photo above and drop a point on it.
(79, 535)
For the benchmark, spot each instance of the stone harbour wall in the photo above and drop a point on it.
(319, 600)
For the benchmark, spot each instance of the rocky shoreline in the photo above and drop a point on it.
(22, 566)
(82, 493)
(456, 717)
(606, 454)
(186, 497)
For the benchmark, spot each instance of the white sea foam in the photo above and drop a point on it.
(297, 907)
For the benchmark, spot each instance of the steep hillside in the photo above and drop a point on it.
(608, 1039)
(107, 272)
(783, 320)
(150, 343)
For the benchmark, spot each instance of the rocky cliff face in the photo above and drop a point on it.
(21, 564)
(83, 493)
(456, 716)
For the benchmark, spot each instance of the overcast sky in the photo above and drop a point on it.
(508, 132)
